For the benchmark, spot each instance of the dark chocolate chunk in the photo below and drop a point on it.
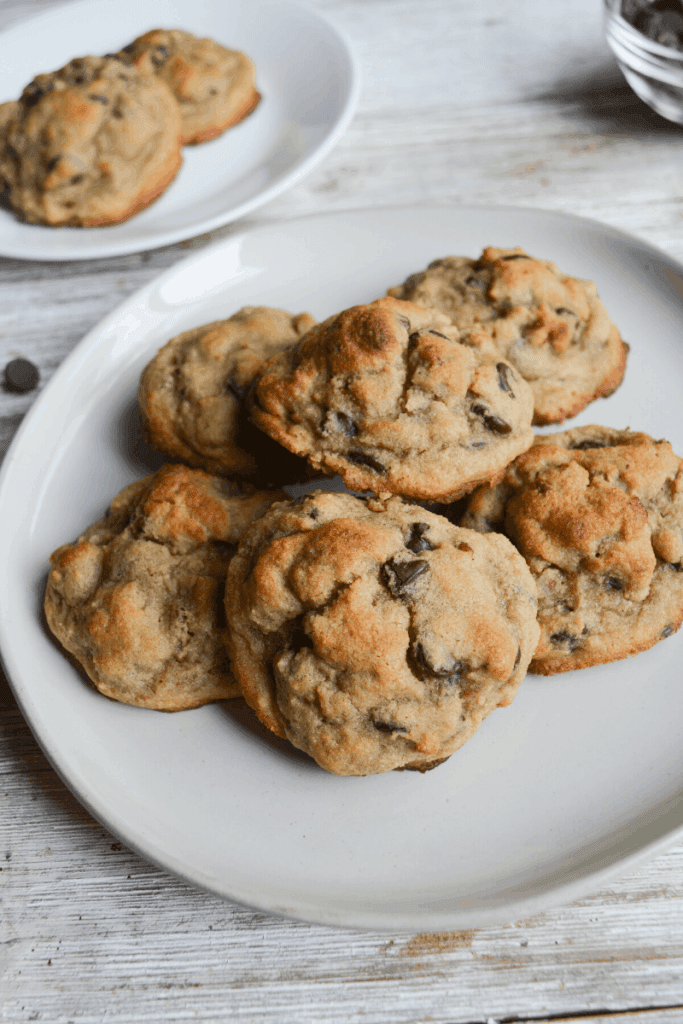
(583, 446)
(51, 164)
(667, 631)
(21, 376)
(612, 583)
(363, 459)
(571, 639)
(504, 374)
(34, 92)
(160, 55)
(417, 541)
(97, 98)
(449, 673)
(340, 421)
(492, 422)
(77, 179)
(399, 577)
(389, 727)
(236, 390)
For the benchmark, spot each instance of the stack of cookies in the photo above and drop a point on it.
(367, 628)
(99, 140)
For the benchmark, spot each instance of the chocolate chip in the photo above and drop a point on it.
(389, 727)
(32, 93)
(51, 164)
(399, 577)
(612, 583)
(570, 639)
(340, 421)
(21, 376)
(97, 98)
(516, 256)
(236, 390)
(363, 459)
(583, 446)
(77, 63)
(492, 422)
(667, 631)
(563, 311)
(449, 672)
(160, 55)
(417, 541)
(78, 79)
(129, 49)
(77, 179)
(504, 373)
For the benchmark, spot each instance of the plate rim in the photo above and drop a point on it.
(612, 864)
(277, 188)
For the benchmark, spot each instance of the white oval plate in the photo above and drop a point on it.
(305, 71)
(580, 778)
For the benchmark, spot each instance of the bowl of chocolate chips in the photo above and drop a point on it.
(646, 37)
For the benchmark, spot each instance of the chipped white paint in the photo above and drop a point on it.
(493, 102)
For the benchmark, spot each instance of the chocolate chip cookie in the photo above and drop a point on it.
(551, 327)
(213, 86)
(191, 394)
(376, 635)
(91, 144)
(138, 598)
(388, 396)
(598, 515)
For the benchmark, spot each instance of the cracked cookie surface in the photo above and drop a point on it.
(598, 515)
(388, 397)
(91, 144)
(553, 328)
(376, 635)
(192, 394)
(214, 86)
(138, 598)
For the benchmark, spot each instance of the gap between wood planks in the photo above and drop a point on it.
(636, 1014)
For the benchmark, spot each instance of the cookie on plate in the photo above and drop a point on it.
(214, 86)
(598, 515)
(191, 394)
(91, 144)
(138, 598)
(552, 328)
(376, 635)
(388, 397)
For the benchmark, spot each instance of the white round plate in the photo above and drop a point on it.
(305, 71)
(580, 777)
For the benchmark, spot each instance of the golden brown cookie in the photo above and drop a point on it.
(91, 144)
(598, 515)
(389, 397)
(191, 394)
(213, 86)
(551, 327)
(376, 635)
(138, 598)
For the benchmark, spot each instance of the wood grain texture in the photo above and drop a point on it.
(493, 102)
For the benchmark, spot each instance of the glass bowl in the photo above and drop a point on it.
(654, 71)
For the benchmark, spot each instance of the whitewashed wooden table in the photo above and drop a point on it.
(488, 102)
